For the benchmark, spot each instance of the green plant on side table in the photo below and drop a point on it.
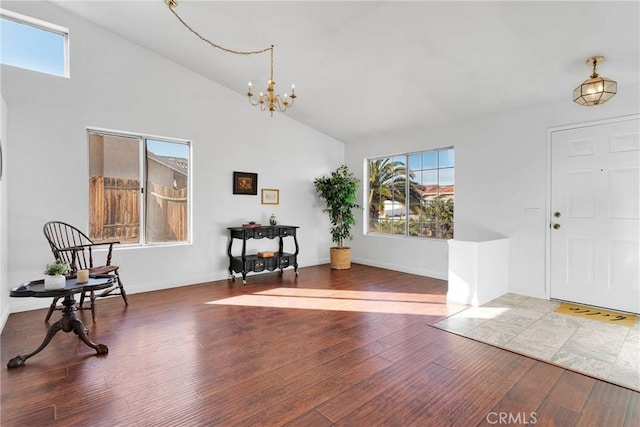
(338, 190)
(55, 275)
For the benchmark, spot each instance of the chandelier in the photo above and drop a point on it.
(270, 100)
(595, 90)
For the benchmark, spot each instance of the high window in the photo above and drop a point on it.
(33, 44)
(138, 189)
(412, 194)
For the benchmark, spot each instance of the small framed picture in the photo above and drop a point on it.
(270, 196)
(245, 183)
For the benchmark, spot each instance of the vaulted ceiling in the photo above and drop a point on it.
(371, 67)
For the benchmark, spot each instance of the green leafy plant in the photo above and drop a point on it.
(338, 190)
(56, 268)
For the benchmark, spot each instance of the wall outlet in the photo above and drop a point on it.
(531, 211)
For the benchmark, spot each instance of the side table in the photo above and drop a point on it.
(69, 322)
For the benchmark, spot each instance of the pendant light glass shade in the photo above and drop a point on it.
(596, 89)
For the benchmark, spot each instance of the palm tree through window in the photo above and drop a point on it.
(412, 194)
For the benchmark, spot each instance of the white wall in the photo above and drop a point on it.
(120, 86)
(4, 299)
(501, 169)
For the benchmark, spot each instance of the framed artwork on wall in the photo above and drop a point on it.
(270, 196)
(245, 183)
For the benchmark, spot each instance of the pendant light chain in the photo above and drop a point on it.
(268, 101)
(173, 3)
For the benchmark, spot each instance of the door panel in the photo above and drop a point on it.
(595, 205)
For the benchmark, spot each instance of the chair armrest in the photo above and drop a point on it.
(89, 246)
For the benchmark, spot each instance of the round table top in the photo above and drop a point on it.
(36, 288)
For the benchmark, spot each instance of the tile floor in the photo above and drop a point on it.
(530, 326)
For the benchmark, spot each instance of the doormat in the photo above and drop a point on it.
(612, 317)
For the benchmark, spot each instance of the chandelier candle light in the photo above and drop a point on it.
(595, 90)
(271, 100)
(266, 101)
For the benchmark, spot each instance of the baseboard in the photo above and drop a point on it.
(5, 316)
(402, 268)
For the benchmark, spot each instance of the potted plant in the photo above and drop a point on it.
(338, 190)
(55, 275)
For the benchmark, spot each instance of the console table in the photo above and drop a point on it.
(253, 263)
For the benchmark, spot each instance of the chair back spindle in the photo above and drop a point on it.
(62, 236)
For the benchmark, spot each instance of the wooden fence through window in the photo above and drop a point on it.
(115, 211)
(166, 214)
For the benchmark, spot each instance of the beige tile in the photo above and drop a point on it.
(507, 300)
(625, 376)
(539, 305)
(529, 326)
(629, 356)
(582, 363)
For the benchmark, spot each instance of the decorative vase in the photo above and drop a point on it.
(55, 282)
(273, 220)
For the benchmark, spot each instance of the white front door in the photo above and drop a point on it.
(595, 210)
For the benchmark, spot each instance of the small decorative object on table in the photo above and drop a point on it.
(251, 224)
(82, 276)
(55, 275)
(265, 254)
(273, 220)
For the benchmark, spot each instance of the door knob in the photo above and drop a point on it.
(556, 226)
(556, 214)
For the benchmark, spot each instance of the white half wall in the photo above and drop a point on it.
(501, 185)
(4, 297)
(120, 86)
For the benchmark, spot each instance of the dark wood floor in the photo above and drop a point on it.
(176, 358)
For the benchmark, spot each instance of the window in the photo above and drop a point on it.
(120, 208)
(33, 44)
(412, 194)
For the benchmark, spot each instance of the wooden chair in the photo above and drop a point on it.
(73, 246)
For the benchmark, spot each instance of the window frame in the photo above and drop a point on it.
(407, 203)
(142, 190)
(44, 26)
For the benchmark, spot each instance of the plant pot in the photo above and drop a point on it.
(54, 282)
(340, 258)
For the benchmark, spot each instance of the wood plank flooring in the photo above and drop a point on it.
(228, 355)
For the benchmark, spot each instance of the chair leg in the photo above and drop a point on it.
(122, 291)
(81, 300)
(51, 308)
(93, 306)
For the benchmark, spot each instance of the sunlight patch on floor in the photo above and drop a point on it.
(339, 300)
(483, 312)
(366, 295)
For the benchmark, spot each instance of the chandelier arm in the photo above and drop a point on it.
(256, 103)
(283, 104)
(171, 5)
